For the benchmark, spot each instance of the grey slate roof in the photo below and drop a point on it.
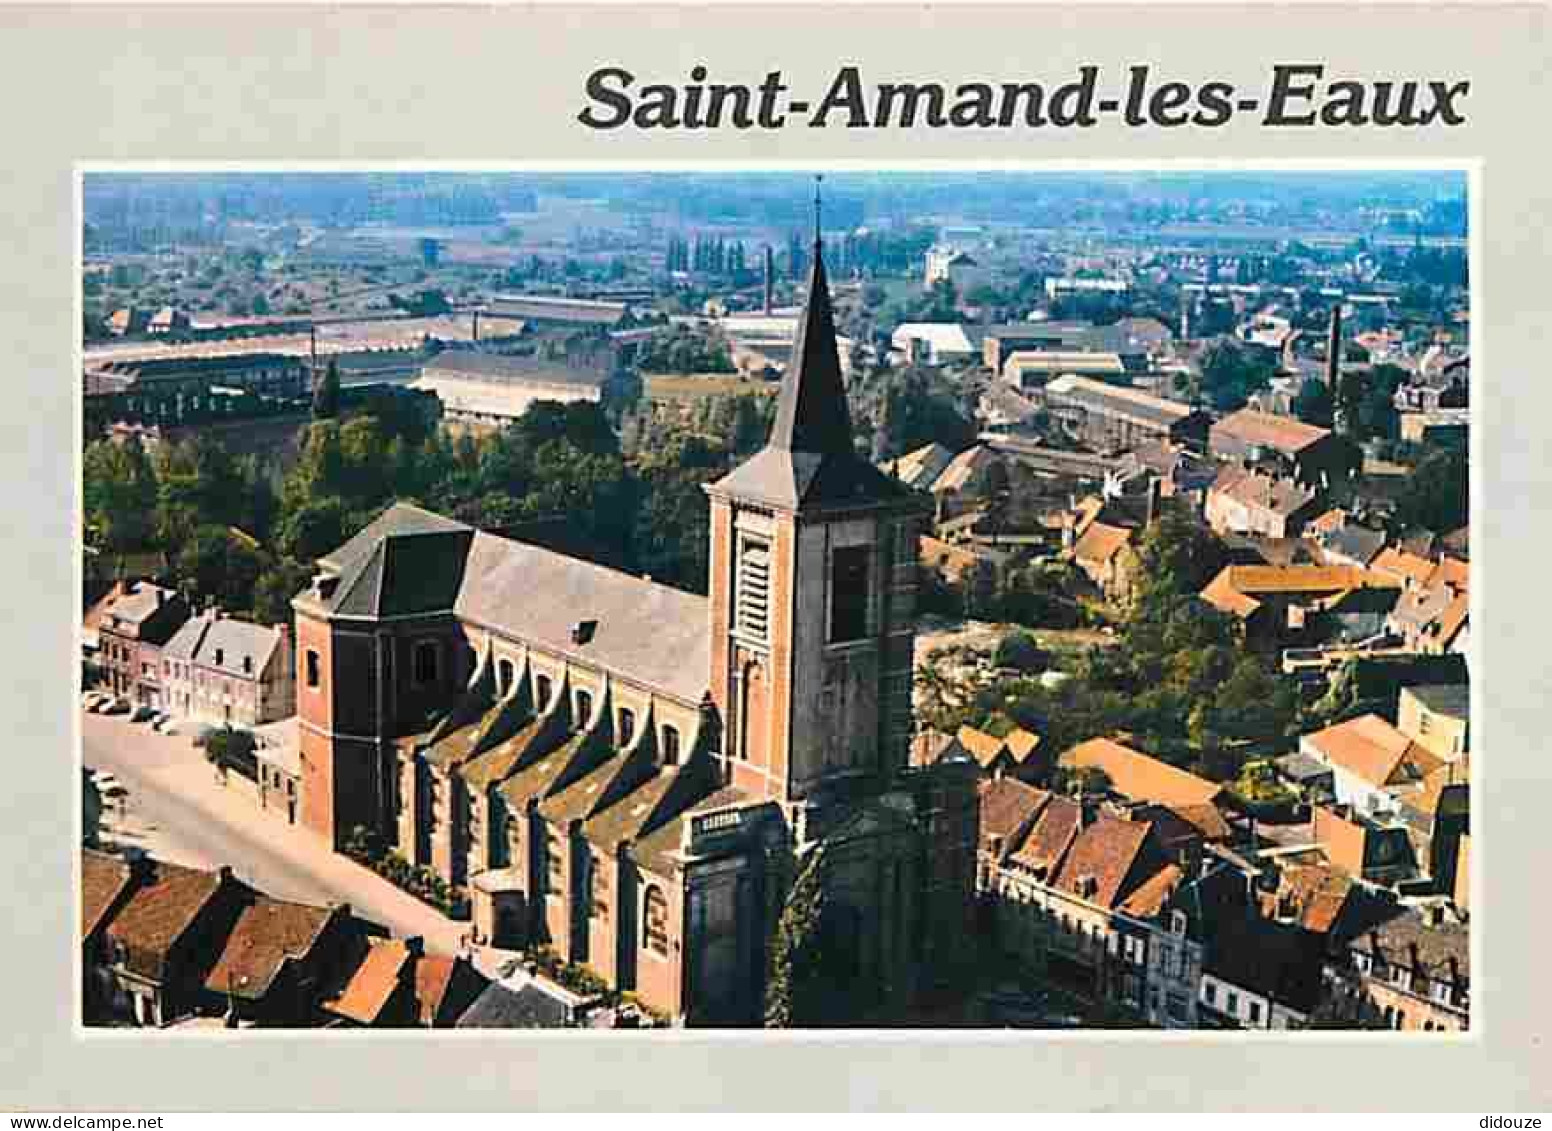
(405, 574)
(793, 479)
(645, 631)
(201, 639)
(400, 518)
(1357, 543)
(528, 1007)
(1453, 699)
(410, 561)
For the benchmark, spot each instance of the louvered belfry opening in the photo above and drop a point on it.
(754, 589)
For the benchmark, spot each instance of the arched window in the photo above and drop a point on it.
(654, 921)
(543, 692)
(428, 656)
(627, 726)
(506, 675)
(670, 746)
(584, 708)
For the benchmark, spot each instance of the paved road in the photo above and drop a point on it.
(177, 812)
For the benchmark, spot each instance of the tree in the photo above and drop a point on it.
(1231, 372)
(216, 567)
(794, 992)
(312, 529)
(1080, 781)
(227, 748)
(1174, 558)
(119, 493)
(1021, 651)
(1437, 495)
(326, 394)
(276, 586)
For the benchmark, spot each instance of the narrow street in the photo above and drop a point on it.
(175, 811)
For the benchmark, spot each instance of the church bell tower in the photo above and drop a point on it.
(813, 590)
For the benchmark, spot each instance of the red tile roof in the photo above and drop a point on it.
(1099, 865)
(444, 988)
(104, 879)
(1282, 433)
(269, 932)
(159, 913)
(1140, 777)
(374, 982)
(1101, 542)
(1052, 834)
(1148, 898)
(1006, 803)
(1403, 566)
(1373, 751)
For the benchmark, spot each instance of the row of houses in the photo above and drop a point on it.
(1151, 894)
(163, 945)
(154, 651)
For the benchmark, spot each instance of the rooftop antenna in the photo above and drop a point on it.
(818, 226)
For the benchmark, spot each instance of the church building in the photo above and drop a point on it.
(633, 775)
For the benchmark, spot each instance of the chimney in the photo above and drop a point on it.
(476, 332)
(225, 873)
(770, 280)
(1334, 347)
(161, 596)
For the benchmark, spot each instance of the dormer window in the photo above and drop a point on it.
(542, 690)
(627, 726)
(670, 746)
(584, 708)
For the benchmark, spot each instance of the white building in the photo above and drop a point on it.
(229, 672)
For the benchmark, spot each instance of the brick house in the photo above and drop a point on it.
(1293, 604)
(1104, 553)
(165, 939)
(107, 882)
(1437, 716)
(1249, 502)
(1087, 898)
(136, 622)
(631, 774)
(1316, 457)
(230, 672)
(1411, 972)
(276, 959)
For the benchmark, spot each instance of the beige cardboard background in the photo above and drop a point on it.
(502, 85)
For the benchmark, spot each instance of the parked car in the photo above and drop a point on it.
(116, 707)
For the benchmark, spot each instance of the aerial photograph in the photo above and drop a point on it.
(898, 599)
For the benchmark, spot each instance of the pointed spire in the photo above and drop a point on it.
(811, 412)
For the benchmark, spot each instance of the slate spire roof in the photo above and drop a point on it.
(810, 458)
(811, 412)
